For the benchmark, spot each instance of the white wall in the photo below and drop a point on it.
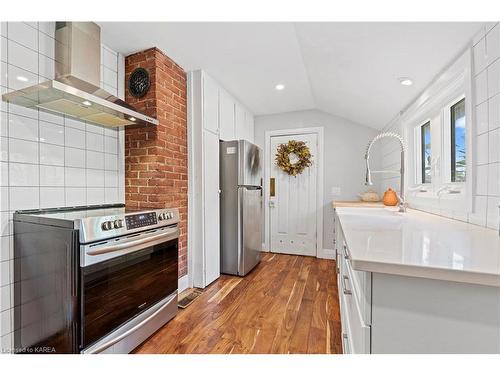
(344, 149)
(485, 135)
(48, 160)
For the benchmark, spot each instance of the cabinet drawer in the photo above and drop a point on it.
(357, 333)
(346, 340)
(361, 285)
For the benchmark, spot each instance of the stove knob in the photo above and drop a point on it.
(107, 225)
(170, 215)
(160, 216)
(117, 224)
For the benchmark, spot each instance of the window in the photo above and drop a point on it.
(457, 132)
(425, 150)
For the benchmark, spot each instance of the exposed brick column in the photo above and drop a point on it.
(156, 157)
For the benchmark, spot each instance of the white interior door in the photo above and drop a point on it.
(293, 224)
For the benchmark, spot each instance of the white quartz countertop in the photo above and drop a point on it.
(419, 244)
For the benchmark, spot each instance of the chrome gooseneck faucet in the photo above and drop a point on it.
(368, 178)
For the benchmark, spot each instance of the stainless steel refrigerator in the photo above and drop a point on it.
(241, 207)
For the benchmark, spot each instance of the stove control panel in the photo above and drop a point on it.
(141, 220)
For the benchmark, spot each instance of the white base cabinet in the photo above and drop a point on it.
(382, 313)
(213, 115)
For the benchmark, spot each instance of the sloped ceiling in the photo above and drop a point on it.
(347, 69)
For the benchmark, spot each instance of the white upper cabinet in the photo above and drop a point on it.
(211, 240)
(226, 116)
(249, 126)
(240, 122)
(210, 105)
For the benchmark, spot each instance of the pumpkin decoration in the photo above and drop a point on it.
(390, 198)
(293, 157)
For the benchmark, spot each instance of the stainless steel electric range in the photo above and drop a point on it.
(93, 279)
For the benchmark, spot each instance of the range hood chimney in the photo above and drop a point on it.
(75, 91)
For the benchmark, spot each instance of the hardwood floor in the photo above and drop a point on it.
(287, 304)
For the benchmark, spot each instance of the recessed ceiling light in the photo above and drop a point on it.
(131, 118)
(279, 86)
(22, 78)
(405, 81)
(87, 103)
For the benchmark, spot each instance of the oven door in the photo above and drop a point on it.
(132, 274)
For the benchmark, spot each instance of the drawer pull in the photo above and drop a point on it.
(345, 278)
(345, 340)
(346, 255)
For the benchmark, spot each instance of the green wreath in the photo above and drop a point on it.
(302, 153)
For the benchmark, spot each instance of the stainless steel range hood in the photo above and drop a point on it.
(75, 91)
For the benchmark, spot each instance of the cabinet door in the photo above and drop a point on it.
(249, 128)
(226, 116)
(210, 105)
(211, 206)
(240, 122)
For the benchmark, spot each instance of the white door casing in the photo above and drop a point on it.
(293, 221)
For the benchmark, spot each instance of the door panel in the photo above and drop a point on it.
(251, 226)
(240, 122)
(211, 208)
(226, 111)
(210, 104)
(293, 225)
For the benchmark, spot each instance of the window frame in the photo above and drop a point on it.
(441, 195)
(418, 153)
(453, 156)
(447, 145)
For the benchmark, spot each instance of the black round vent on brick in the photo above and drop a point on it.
(139, 83)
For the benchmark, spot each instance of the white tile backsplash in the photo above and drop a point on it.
(493, 113)
(494, 79)
(494, 179)
(51, 133)
(23, 57)
(75, 137)
(493, 45)
(23, 34)
(47, 45)
(44, 156)
(51, 154)
(52, 197)
(95, 160)
(24, 198)
(482, 180)
(481, 87)
(75, 177)
(23, 128)
(74, 157)
(51, 175)
(479, 56)
(482, 117)
(23, 174)
(95, 142)
(23, 151)
(482, 149)
(95, 178)
(19, 78)
(76, 196)
(46, 67)
(494, 146)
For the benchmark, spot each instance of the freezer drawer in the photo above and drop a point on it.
(250, 229)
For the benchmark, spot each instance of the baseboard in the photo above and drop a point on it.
(327, 254)
(183, 283)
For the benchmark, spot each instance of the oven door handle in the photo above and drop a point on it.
(167, 234)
